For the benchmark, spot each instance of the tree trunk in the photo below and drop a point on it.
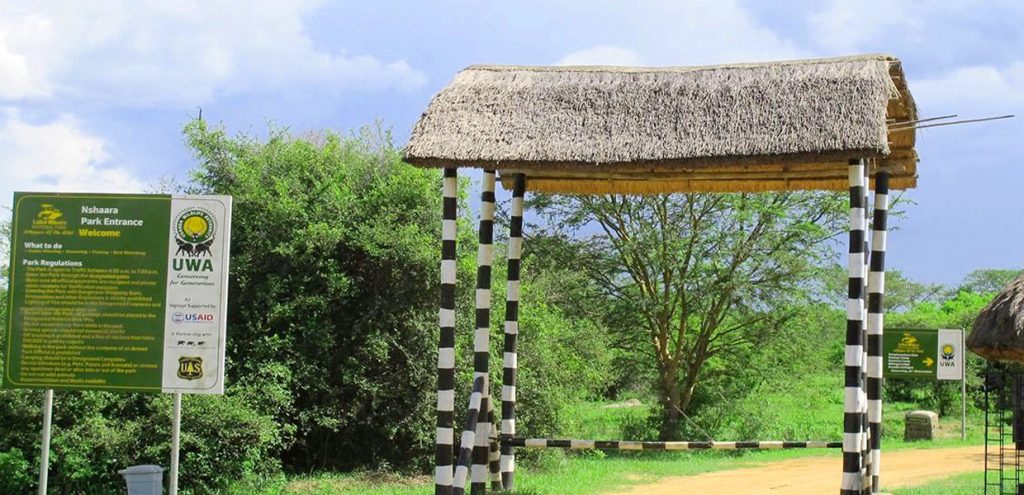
(670, 401)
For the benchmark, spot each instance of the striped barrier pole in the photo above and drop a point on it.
(510, 356)
(446, 346)
(466, 445)
(481, 336)
(876, 323)
(852, 480)
(550, 443)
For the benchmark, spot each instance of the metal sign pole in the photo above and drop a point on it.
(963, 386)
(44, 456)
(172, 488)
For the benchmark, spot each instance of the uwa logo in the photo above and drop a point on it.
(194, 232)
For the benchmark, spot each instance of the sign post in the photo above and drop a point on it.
(44, 454)
(931, 354)
(172, 488)
(963, 387)
(117, 292)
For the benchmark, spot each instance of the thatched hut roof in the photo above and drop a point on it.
(747, 127)
(998, 333)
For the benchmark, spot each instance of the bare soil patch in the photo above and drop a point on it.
(818, 475)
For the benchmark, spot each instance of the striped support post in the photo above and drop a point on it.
(481, 337)
(468, 438)
(876, 323)
(852, 480)
(443, 470)
(508, 384)
(494, 455)
(550, 443)
(866, 436)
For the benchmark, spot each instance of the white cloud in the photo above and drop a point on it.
(712, 32)
(669, 32)
(601, 55)
(845, 25)
(148, 52)
(968, 90)
(56, 156)
(22, 73)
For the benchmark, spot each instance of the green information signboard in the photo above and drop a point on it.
(117, 292)
(909, 353)
(914, 353)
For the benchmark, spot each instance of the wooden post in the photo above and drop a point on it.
(510, 355)
(443, 457)
(853, 407)
(482, 334)
(876, 324)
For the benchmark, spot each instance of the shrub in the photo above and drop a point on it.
(15, 472)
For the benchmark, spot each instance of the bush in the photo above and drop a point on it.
(15, 472)
(95, 434)
(335, 249)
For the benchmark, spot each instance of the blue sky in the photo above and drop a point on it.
(93, 95)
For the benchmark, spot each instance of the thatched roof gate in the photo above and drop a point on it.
(827, 124)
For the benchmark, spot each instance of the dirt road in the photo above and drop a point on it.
(818, 475)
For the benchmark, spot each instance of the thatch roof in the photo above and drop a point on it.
(998, 333)
(766, 126)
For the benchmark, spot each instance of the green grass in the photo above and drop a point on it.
(964, 484)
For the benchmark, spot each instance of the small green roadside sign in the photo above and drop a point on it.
(916, 353)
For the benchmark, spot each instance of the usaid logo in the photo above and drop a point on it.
(192, 317)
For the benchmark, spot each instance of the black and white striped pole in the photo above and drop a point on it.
(510, 353)
(876, 323)
(443, 471)
(866, 436)
(852, 481)
(481, 336)
(468, 440)
(494, 454)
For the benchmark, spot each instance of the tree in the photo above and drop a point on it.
(988, 280)
(901, 292)
(695, 276)
(5, 249)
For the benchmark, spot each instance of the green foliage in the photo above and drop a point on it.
(901, 292)
(988, 280)
(563, 359)
(14, 471)
(5, 249)
(334, 269)
(764, 391)
(96, 433)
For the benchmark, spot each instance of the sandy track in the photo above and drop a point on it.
(819, 475)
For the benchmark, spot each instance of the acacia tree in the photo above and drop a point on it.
(989, 280)
(695, 276)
